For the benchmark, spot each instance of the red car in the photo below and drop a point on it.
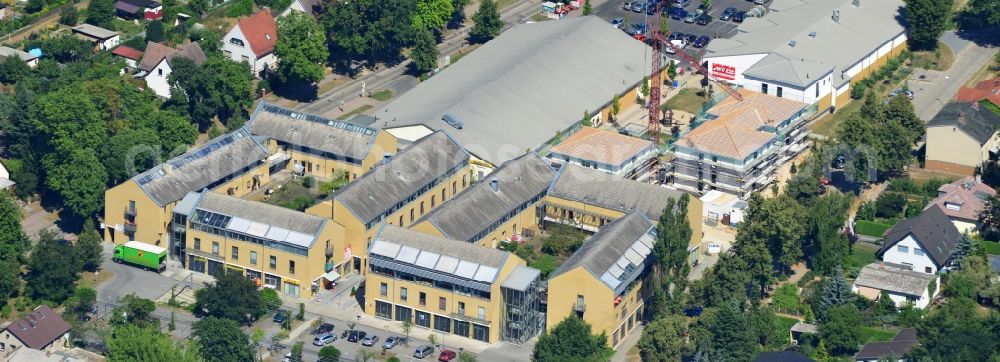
(447, 355)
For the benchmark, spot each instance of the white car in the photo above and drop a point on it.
(677, 43)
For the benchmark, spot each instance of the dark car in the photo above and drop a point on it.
(704, 19)
(727, 14)
(324, 328)
(690, 38)
(677, 36)
(279, 317)
(83, 318)
(739, 16)
(702, 41)
(678, 14)
(355, 336)
(638, 29)
(617, 22)
(651, 8)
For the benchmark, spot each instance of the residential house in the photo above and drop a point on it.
(311, 7)
(252, 41)
(155, 64)
(610, 152)
(139, 9)
(5, 181)
(452, 287)
(41, 330)
(129, 55)
(924, 243)
(901, 284)
(962, 201)
(900, 346)
(783, 356)
(961, 137)
(986, 90)
(28, 58)
(103, 39)
(800, 328)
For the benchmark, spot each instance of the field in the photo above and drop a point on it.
(871, 228)
(938, 59)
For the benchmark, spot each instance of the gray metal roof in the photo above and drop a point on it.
(403, 175)
(979, 123)
(520, 279)
(315, 132)
(6, 51)
(892, 279)
(516, 91)
(605, 190)
(478, 207)
(263, 220)
(933, 230)
(201, 167)
(806, 42)
(94, 31)
(453, 257)
(187, 205)
(617, 253)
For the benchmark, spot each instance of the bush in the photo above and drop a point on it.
(903, 184)
(308, 182)
(786, 298)
(68, 16)
(546, 264)
(858, 90)
(562, 240)
(269, 297)
(889, 204)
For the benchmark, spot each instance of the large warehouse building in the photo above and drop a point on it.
(810, 50)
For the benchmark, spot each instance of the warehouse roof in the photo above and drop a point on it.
(259, 219)
(461, 259)
(605, 190)
(617, 253)
(597, 145)
(741, 127)
(404, 174)
(311, 131)
(977, 121)
(893, 279)
(480, 206)
(516, 91)
(200, 167)
(804, 41)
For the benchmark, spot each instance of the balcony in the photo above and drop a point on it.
(580, 307)
(129, 228)
(130, 213)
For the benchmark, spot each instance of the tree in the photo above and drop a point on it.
(835, 292)
(585, 121)
(966, 247)
(218, 88)
(88, 248)
(616, 106)
(221, 340)
(725, 333)
(432, 14)
(587, 9)
(956, 332)
(570, 339)
(889, 204)
(826, 246)
(83, 300)
(644, 87)
(664, 339)
(154, 31)
(135, 311)
(971, 280)
(232, 297)
(296, 355)
(10, 277)
(329, 354)
(672, 69)
(822, 355)
(130, 343)
(69, 16)
(80, 180)
(901, 110)
(840, 331)
(172, 325)
(488, 23)
(197, 7)
(175, 132)
(101, 13)
(989, 218)
(130, 152)
(301, 49)
(66, 48)
(926, 20)
(673, 233)
(706, 4)
(786, 298)
(51, 276)
(13, 241)
(981, 13)
(13, 69)
(368, 30)
(425, 52)
(457, 13)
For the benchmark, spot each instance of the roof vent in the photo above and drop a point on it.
(268, 36)
(856, 3)
(791, 43)
(836, 15)
(812, 34)
(495, 184)
(451, 120)
(975, 105)
(168, 168)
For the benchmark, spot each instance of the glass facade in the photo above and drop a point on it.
(520, 317)
(383, 309)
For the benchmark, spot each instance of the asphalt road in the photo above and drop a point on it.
(931, 96)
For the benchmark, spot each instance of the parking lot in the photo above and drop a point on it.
(355, 351)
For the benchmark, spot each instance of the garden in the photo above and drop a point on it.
(550, 249)
(301, 193)
(903, 198)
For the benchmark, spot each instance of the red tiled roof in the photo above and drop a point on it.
(127, 52)
(967, 194)
(261, 31)
(738, 129)
(40, 328)
(601, 146)
(155, 52)
(987, 89)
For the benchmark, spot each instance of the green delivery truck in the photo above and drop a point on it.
(149, 257)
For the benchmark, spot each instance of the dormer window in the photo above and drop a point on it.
(267, 36)
(236, 42)
(953, 206)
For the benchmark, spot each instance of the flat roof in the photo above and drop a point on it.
(602, 146)
(520, 279)
(6, 51)
(311, 131)
(94, 31)
(617, 253)
(258, 219)
(601, 189)
(804, 42)
(517, 90)
(740, 128)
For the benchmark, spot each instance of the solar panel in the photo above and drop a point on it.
(384, 248)
(239, 225)
(633, 256)
(466, 269)
(446, 264)
(485, 274)
(299, 239)
(407, 254)
(610, 280)
(276, 233)
(427, 259)
(257, 229)
(615, 270)
(640, 248)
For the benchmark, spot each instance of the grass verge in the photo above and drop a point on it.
(871, 228)
(687, 100)
(937, 59)
(382, 95)
(783, 325)
(356, 111)
(92, 280)
(990, 247)
(861, 254)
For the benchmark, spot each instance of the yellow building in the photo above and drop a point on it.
(961, 137)
(589, 199)
(499, 208)
(283, 249)
(140, 208)
(319, 146)
(405, 187)
(451, 286)
(605, 282)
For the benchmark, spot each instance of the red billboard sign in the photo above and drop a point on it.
(723, 71)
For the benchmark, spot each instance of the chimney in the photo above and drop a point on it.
(856, 3)
(386, 156)
(495, 184)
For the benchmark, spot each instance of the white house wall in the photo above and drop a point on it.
(236, 52)
(156, 80)
(919, 263)
(740, 62)
(110, 42)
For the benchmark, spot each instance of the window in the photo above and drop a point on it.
(400, 220)
(421, 208)
(928, 270)
(461, 308)
(383, 289)
(423, 298)
(482, 313)
(274, 262)
(902, 249)
(236, 253)
(463, 181)
(443, 198)
(383, 309)
(292, 289)
(779, 92)
(433, 201)
(442, 303)
(159, 72)
(197, 244)
(253, 258)
(715, 158)
(411, 216)
(442, 324)
(817, 90)
(215, 248)
(918, 251)
(423, 319)
(404, 313)
(481, 333)
(236, 42)
(462, 328)
(579, 301)
(454, 187)
(402, 294)
(291, 267)
(763, 88)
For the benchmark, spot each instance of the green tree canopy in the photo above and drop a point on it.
(329, 354)
(835, 292)
(134, 311)
(488, 22)
(724, 332)
(221, 340)
(425, 52)
(79, 179)
(301, 48)
(101, 13)
(664, 339)
(132, 343)
(88, 247)
(10, 277)
(13, 241)
(52, 276)
(130, 152)
(13, 69)
(432, 14)
(957, 332)
(840, 331)
(232, 297)
(369, 31)
(218, 88)
(926, 20)
(570, 340)
(154, 31)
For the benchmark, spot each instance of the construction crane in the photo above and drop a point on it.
(659, 41)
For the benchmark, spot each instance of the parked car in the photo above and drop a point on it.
(392, 341)
(638, 29)
(323, 328)
(727, 14)
(627, 5)
(678, 44)
(676, 35)
(681, 3)
(447, 355)
(896, 92)
(356, 336)
(324, 339)
(369, 340)
(287, 357)
(678, 14)
(617, 22)
(704, 19)
(279, 317)
(423, 351)
(83, 318)
(651, 8)
(692, 17)
(702, 41)
(739, 16)
(638, 6)
(690, 38)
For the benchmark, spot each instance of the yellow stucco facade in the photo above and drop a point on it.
(525, 222)
(950, 149)
(577, 291)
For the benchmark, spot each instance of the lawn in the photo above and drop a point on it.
(990, 247)
(293, 195)
(687, 100)
(938, 59)
(862, 254)
(827, 126)
(382, 95)
(357, 111)
(783, 325)
(875, 334)
(871, 228)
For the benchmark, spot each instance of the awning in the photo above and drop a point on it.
(332, 275)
